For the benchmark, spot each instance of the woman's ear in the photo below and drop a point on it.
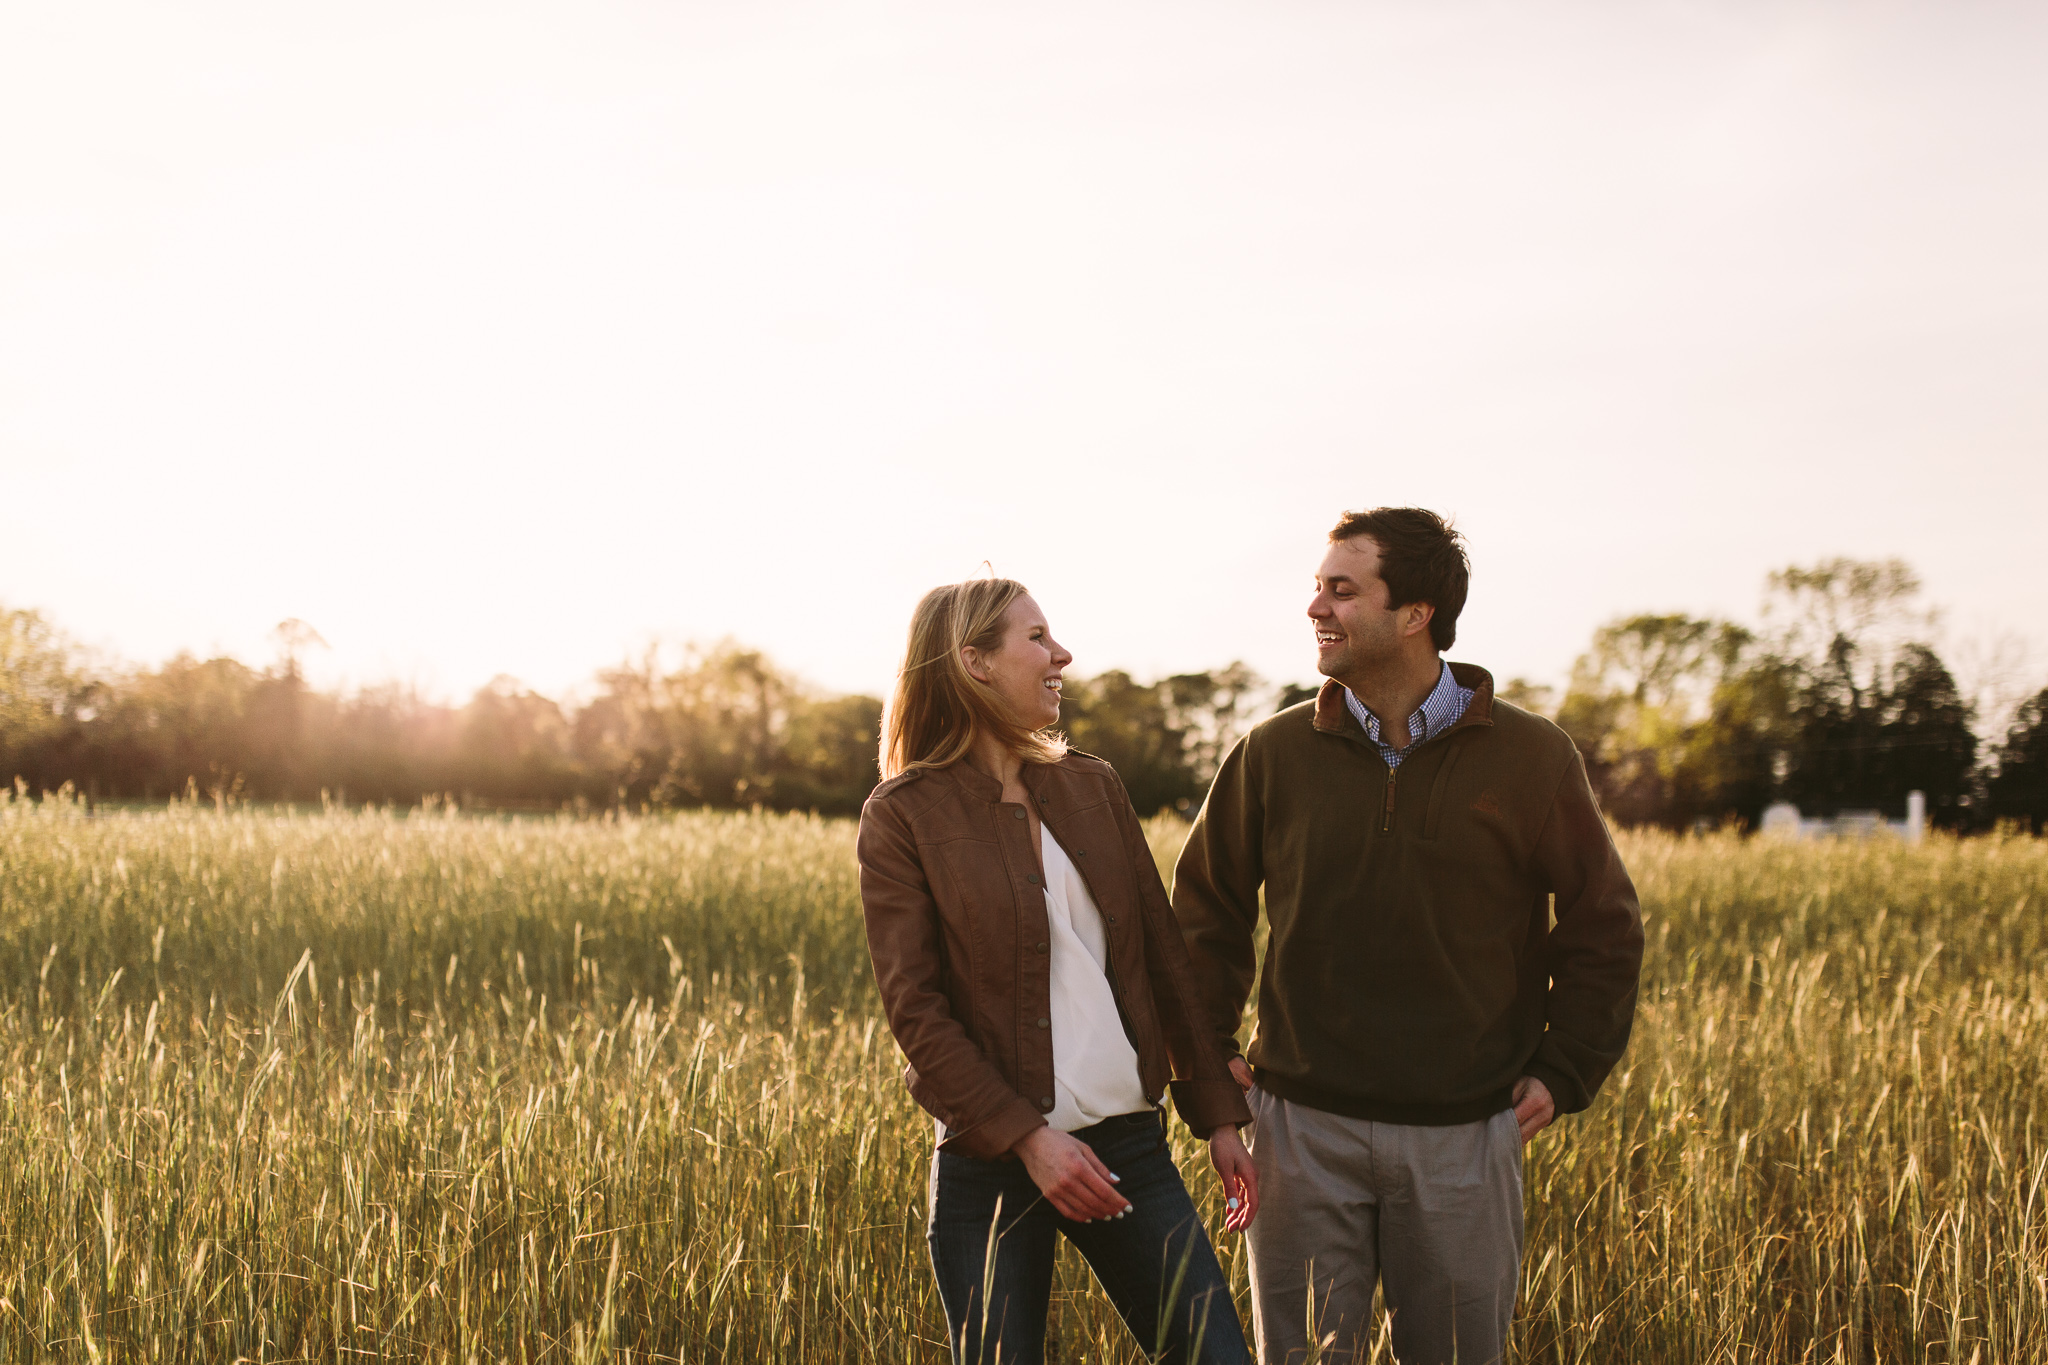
(970, 658)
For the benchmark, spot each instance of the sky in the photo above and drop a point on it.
(511, 337)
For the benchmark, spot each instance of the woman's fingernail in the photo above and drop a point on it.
(1117, 1178)
(1230, 1204)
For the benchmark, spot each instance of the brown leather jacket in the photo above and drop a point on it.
(954, 897)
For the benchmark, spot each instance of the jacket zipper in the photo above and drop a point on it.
(1387, 820)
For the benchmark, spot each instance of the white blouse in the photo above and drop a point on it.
(1094, 1066)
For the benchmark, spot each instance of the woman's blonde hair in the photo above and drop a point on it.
(938, 708)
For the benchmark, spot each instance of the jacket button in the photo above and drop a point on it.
(1045, 1101)
(1031, 877)
(1045, 1023)
(1112, 919)
(1041, 800)
(1041, 947)
(1019, 812)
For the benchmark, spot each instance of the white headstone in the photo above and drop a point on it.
(1916, 816)
(1781, 820)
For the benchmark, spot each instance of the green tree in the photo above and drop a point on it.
(37, 677)
(1131, 726)
(389, 744)
(1927, 744)
(726, 728)
(512, 747)
(1211, 711)
(279, 760)
(180, 726)
(1869, 604)
(705, 733)
(1639, 708)
(2019, 788)
(1873, 711)
(41, 689)
(1166, 738)
(1294, 694)
(1539, 698)
(1737, 752)
(830, 759)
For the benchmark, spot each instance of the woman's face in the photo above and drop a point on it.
(1024, 670)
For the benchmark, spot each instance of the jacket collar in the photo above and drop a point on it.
(974, 782)
(978, 785)
(1333, 717)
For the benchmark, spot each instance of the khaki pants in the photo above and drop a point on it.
(1433, 1216)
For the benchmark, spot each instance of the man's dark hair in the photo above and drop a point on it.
(1422, 559)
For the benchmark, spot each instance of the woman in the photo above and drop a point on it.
(1035, 978)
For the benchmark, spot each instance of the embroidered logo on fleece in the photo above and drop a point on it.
(1487, 804)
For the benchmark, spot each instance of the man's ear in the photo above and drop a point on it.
(1419, 615)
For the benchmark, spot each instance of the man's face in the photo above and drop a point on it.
(1355, 629)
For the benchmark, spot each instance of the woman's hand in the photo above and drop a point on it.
(1240, 1178)
(1070, 1175)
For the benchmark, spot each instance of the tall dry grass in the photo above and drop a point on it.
(429, 1087)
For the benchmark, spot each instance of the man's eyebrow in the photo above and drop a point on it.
(1339, 578)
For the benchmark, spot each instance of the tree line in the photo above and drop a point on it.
(1835, 701)
(721, 727)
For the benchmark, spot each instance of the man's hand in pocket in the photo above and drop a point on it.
(1534, 1109)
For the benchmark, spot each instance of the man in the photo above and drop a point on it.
(1452, 961)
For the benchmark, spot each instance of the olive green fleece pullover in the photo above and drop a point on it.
(1415, 969)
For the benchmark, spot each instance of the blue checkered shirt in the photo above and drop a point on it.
(1440, 710)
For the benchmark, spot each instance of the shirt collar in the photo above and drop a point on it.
(1436, 707)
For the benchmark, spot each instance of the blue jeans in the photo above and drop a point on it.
(1155, 1262)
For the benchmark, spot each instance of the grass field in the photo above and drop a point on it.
(433, 1087)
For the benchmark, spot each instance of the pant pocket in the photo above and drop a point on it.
(1515, 1150)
